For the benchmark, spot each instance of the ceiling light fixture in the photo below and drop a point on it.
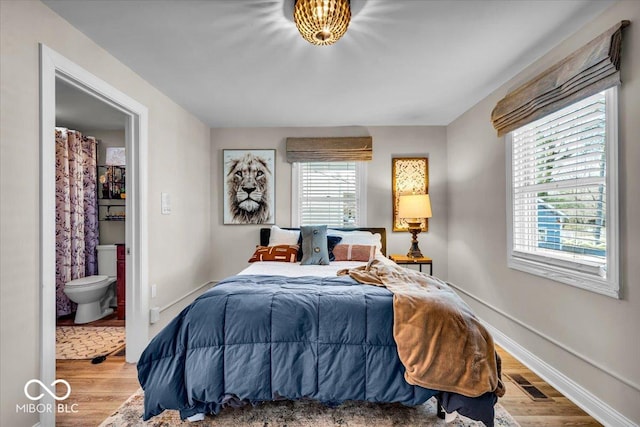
(322, 22)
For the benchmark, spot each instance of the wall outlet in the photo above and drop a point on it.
(165, 204)
(154, 290)
(154, 314)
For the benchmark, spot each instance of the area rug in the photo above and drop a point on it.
(303, 414)
(87, 342)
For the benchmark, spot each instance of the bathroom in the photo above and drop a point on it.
(90, 227)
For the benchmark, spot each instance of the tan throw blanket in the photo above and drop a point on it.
(441, 343)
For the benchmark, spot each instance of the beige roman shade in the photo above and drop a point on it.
(589, 70)
(329, 149)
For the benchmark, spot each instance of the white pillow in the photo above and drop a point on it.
(279, 236)
(358, 237)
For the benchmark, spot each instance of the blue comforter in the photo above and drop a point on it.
(260, 338)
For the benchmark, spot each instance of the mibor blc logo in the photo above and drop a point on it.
(39, 408)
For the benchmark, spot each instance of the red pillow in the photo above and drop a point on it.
(280, 253)
(344, 252)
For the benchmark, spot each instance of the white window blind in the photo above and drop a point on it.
(329, 193)
(559, 192)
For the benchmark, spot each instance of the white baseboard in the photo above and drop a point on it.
(565, 385)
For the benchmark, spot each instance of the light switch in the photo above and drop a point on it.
(165, 204)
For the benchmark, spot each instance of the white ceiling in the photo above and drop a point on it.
(79, 111)
(242, 63)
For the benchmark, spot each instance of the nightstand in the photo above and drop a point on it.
(403, 259)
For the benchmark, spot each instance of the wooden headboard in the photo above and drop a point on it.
(266, 232)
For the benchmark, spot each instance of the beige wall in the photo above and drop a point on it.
(179, 163)
(599, 328)
(234, 244)
(467, 185)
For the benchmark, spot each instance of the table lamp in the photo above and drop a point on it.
(413, 208)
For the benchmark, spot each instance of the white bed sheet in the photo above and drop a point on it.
(294, 269)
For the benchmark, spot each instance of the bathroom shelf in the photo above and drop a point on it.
(106, 214)
(111, 193)
(111, 182)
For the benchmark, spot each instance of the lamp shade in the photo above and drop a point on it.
(414, 206)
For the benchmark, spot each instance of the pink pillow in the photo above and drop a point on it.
(354, 252)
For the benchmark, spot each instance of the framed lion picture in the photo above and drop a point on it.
(249, 186)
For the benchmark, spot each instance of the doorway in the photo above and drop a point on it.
(90, 227)
(56, 68)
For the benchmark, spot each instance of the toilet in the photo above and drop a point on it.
(95, 294)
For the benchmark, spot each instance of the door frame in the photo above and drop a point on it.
(55, 66)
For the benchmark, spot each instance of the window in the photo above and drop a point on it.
(332, 193)
(562, 195)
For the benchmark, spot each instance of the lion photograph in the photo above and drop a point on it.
(249, 186)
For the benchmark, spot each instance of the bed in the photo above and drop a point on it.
(285, 331)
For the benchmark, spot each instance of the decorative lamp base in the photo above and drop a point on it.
(414, 229)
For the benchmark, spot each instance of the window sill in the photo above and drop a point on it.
(590, 282)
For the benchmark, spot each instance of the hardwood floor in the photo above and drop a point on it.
(110, 320)
(99, 390)
(557, 411)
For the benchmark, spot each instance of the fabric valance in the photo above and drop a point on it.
(329, 149)
(589, 70)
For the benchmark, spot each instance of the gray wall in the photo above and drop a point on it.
(234, 244)
(179, 162)
(598, 328)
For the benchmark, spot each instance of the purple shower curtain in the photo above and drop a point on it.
(76, 211)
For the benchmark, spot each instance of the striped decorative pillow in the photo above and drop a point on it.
(354, 252)
(280, 253)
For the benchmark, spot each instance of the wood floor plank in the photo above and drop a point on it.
(97, 390)
(548, 421)
(559, 411)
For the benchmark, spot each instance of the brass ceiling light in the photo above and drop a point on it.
(322, 22)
